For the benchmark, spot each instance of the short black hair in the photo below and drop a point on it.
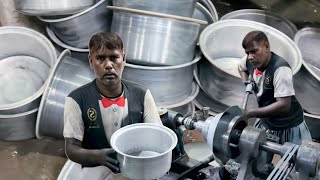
(256, 36)
(109, 40)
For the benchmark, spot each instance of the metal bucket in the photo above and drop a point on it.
(67, 75)
(169, 85)
(175, 7)
(265, 17)
(154, 38)
(26, 58)
(144, 150)
(307, 80)
(16, 127)
(51, 7)
(221, 45)
(313, 122)
(76, 30)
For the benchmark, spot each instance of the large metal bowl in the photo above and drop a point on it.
(67, 75)
(76, 30)
(265, 17)
(26, 58)
(313, 122)
(221, 45)
(52, 7)
(154, 38)
(144, 150)
(307, 80)
(175, 7)
(169, 85)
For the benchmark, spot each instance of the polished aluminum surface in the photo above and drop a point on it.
(313, 122)
(154, 38)
(144, 150)
(185, 109)
(67, 75)
(209, 6)
(76, 30)
(77, 53)
(169, 85)
(51, 7)
(265, 17)
(26, 56)
(221, 45)
(307, 81)
(175, 7)
(16, 127)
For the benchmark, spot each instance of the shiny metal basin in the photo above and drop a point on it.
(154, 38)
(265, 17)
(175, 7)
(16, 127)
(185, 109)
(51, 7)
(313, 122)
(26, 58)
(144, 150)
(307, 81)
(67, 75)
(169, 85)
(76, 30)
(221, 45)
(209, 6)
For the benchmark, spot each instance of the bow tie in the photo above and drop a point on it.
(107, 102)
(257, 72)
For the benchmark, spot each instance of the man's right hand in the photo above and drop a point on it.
(105, 158)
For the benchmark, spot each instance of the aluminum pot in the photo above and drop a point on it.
(185, 109)
(307, 80)
(175, 7)
(209, 6)
(169, 85)
(144, 150)
(51, 7)
(221, 45)
(26, 58)
(265, 17)
(154, 38)
(313, 122)
(67, 75)
(16, 127)
(76, 53)
(76, 30)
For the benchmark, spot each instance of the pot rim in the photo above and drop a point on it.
(297, 37)
(251, 24)
(5, 116)
(206, 13)
(44, 19)
(156, 14)
(47, 88)
(143, 125)
(311, 115)
(51, 52)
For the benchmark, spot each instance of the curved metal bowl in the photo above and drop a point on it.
(144, 150)
(67, 75)
(265, 17)
(24, 52)
(76, 30)
(209, 6)
(185, 109)
(313, 122)
(221, 45)
(16, 127)
(154, 38)
(169, 85)
(307, 80)
(51, 7)
(175, 7)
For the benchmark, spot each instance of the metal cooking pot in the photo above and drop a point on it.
(51, 7)
(144, 150)
(175, 7)
(221, 45)
(67, 75)
(26, 58)
(154, 38)
(313, 122)
(76, 30)
(265, 17)
(169, 85)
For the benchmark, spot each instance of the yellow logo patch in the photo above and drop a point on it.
(92, 114)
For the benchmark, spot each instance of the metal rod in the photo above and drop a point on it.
(271, 147)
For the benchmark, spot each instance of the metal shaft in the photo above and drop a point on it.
(271, 147)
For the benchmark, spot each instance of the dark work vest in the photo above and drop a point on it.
(286, 120)
(87, 98)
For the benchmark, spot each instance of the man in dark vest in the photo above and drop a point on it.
(96, 110)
